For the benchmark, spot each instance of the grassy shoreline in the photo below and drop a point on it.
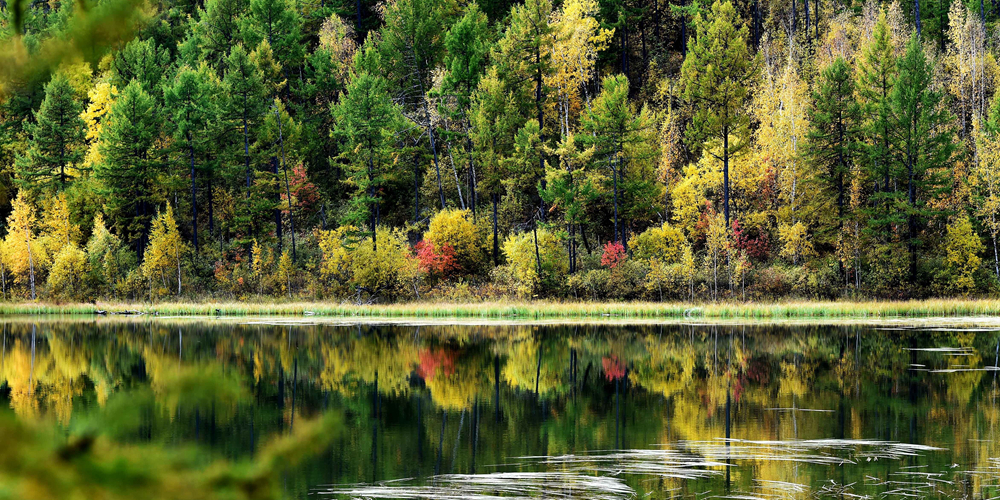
(535, 309)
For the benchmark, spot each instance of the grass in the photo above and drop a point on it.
(538, 309)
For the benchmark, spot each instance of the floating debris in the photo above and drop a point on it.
(545, 485)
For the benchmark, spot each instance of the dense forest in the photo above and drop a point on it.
(448, 149)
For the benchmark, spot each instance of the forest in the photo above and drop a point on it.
(453, 150)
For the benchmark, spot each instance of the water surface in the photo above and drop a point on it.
(594, 411)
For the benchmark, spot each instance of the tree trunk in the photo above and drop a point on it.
(31, 262)
(194, 199)
(725, 174)
(916, 15)
(496, 240)
(374, 205)
(538, 258)
(614, 177)
(288, 189)
(278, 232)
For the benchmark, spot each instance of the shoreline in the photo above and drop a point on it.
(529, 310)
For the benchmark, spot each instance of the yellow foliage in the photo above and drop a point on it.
(388, 269)
(523, 265)
(964, 248)
(336, 263)
(795, 242)
(665, 244)
(165, 249)
(578, 39)
(68, 268)
(455, 228)
(699, 181)
(25, 255)
(59, 231)
(102, 96)
(286, 272)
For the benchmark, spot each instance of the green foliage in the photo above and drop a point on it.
(126, 171)
(56, 145)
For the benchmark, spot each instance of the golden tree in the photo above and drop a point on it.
(26, 255)
(166, 247)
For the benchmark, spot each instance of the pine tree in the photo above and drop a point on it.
(143, 61)
(55, 147)
(876, 79)
(129, 165)
(622, 142)
(833, 137)
(367, 122)
(923, 142)
(717, 75)
(245, 103)
(278, 22)
(191, 98)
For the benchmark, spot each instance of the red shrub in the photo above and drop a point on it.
(614, 254)
(757, 247)
(437, 261)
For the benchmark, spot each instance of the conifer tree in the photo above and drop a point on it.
(367, 122)
(55, 147)
(717, 74)
(166, 249)
(876, 78)
(833, 137)
(924, 142)
(129, 165)
(190, 97)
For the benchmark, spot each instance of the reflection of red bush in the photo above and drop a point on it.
(614, 254)
(438, 261)
(613, 368)
(431, 362)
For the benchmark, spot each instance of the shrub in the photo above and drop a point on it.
(388, 271)
(335, 262)
(614, 254)
(455, 228)
(964, 247)
(437, 261)
(664, 244)
(522, 266)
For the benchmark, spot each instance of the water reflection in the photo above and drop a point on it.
(553, 411)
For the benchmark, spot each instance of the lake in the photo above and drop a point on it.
(590, 411)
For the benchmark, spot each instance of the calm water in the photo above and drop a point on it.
(602, 412)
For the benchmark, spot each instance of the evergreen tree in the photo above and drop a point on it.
(716, 76)
(143, 61)
(876, 78)
(617, 132)
(129, 166)
(245, 103)
(834, 133)
(277, 22)
(191, 100)
(367, 122)
(55, 147)
(924, 142)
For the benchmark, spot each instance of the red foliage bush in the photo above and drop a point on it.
(757, 247)
(438, 262)
(614, 254)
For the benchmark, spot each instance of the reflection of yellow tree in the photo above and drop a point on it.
(345, 366)
(457, 389)
(524, 370)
